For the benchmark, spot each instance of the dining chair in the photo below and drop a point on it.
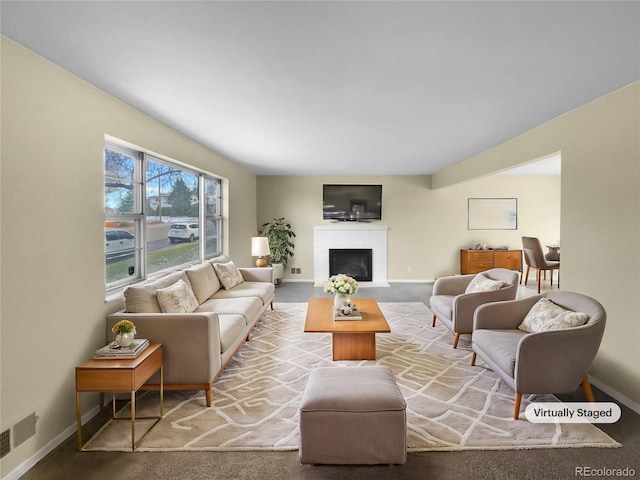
(534, 258)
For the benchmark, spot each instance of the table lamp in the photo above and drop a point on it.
(260, 248)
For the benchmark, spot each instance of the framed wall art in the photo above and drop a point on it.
(493, 214)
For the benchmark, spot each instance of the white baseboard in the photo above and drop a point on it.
(371, 284)
(635, 406)
(420, 280)
(25, 466)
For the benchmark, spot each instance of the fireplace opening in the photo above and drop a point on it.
(355, 262)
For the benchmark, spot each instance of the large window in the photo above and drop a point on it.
(158, 216)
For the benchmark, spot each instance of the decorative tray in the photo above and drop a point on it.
(354, 315)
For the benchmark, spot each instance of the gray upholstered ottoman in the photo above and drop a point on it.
(352, 415)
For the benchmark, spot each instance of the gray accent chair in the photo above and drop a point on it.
(535, 258)
(454, 308)
(553, 361)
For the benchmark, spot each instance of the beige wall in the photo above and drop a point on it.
(52, 270)
(600, 210)
(427, 227)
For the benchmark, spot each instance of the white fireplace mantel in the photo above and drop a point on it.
(350, 235)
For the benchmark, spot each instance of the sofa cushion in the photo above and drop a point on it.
(499, 345)
(228, 274)
(546, 315)
(204, 281)
(481, 283)
(143, 298)
(248, 307)
(177, 298)
(264, 291)
(231, 327)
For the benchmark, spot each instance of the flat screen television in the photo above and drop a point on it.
(351, 203)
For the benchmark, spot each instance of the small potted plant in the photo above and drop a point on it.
(125, 331)
(280, 235)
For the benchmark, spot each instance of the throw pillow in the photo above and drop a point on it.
(228, 274)
(177, 298)
(480, 283)
(546, 315)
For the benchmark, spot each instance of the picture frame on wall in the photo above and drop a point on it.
(492, 214)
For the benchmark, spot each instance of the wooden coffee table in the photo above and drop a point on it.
(352, 339)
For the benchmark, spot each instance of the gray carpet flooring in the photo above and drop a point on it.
(66, 462)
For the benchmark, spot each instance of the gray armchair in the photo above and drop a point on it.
(454, 308)
(553, 361)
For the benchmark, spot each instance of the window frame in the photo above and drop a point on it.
(141, 212)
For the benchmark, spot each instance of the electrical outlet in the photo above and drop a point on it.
(408, 269)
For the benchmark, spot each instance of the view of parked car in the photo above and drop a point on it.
(183, 232)
(118, 243)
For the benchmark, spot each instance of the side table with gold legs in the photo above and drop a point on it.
(120, 376)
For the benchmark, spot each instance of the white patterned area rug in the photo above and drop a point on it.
(450, 404)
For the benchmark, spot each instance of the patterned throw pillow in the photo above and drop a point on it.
(228, 274)
(480, 283)
(546, 315)
(177, 298)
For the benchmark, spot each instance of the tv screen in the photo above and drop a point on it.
(352, 203)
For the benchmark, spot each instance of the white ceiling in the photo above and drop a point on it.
(309, 87)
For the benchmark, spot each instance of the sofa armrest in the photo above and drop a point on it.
(454, 285)
(504, 315)
(257, 274)
(191, 342)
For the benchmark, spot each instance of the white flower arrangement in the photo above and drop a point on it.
(342, 285)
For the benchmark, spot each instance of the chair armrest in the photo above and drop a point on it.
(191, 342)
(453, 285)
(257, 274)
(503, 315)
(465, 305)
(568, 353)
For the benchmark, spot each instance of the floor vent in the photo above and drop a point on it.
(24, 429)
(5, 443)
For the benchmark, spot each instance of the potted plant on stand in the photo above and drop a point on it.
(280, 235)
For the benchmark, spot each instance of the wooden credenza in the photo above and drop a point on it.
(474, 261)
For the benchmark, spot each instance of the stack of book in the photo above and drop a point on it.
(111, 351)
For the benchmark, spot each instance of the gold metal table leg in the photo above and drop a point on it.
(79, 420)
(133, 420)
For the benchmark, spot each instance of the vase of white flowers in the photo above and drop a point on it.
(342, 287)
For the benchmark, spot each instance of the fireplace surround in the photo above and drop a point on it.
(350, 236)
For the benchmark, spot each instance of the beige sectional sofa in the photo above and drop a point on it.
(201, 315)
